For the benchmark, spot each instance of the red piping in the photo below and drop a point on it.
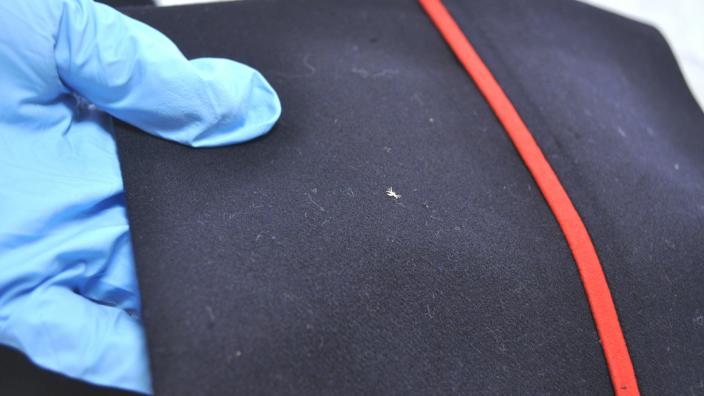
(621, 370)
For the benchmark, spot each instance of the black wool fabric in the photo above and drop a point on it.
(282, 267)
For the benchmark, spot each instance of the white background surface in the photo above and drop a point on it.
(680, 21)
(682, 24)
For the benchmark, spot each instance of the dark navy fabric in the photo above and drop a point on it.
(282, 267)
(606, 101)
(20, 377)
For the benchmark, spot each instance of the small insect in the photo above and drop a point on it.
(391, 193)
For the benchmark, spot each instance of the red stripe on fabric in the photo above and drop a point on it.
(597, 290)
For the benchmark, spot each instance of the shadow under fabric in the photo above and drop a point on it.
(282, 267)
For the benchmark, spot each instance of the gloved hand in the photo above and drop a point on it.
(68, 291)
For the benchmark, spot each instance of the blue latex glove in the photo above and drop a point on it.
(68, 291)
